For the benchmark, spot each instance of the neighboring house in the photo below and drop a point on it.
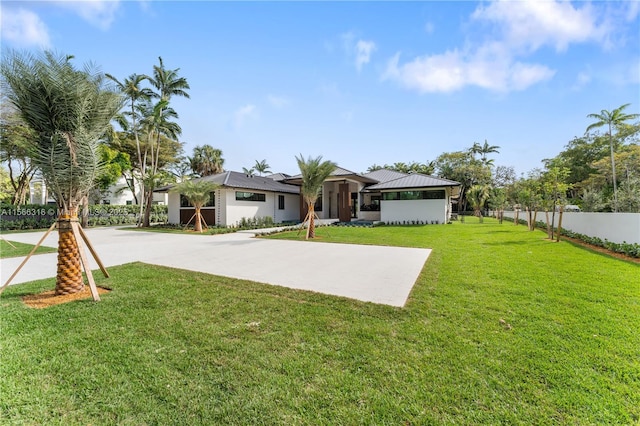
(118, 194)
(240, 196)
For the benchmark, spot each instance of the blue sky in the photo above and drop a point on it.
(361, 83)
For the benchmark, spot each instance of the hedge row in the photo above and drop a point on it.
(629, 249)
(42, 216)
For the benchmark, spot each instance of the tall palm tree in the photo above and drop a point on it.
(198, 192)
(131, 88)
(314, 172)
(611, 119)
(157, 123)
(168, 84)
(70, 111)
(206, 160)
(261, 167)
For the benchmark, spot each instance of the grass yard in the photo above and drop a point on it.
(502, 327)
(20, 249)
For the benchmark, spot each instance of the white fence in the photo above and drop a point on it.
(615, 227)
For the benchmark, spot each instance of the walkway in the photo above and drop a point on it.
(375, 274)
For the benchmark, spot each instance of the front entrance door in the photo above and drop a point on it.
(344, 203)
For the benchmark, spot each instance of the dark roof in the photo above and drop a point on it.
(384, 175)
(278, 176)
(339, 173)
(242, 181)
(413, 180)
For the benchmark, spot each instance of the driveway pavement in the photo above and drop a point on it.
(375, 274)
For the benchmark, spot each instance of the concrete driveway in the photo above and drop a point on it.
(375, 274)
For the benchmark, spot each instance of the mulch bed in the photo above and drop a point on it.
(602, 250)
(48, 298)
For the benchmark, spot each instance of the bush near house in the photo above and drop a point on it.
(42, 216)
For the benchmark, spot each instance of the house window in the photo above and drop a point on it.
(250, 196)
(438, 194)
(318, 205)
(184, 202)
(280, 202)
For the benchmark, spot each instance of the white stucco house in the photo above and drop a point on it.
(382, 195)
(239, 196)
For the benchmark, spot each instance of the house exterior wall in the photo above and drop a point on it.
(291, 210)
(235, 210)
(229, 211)
(174, 208)
(408, 210)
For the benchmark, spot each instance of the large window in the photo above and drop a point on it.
(184, 202)
(318, 205)
(280, 202)
(438, 194)
(250, 196)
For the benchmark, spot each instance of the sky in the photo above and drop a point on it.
(360, 83)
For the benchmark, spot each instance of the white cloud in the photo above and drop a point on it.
(23, 28)
(360, 50)
(99, 13)
(278, 101)
(454, 70)
(244, 113)
(532, 24)
(364, 49)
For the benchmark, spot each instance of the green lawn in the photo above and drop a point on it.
(20, 249)
(169, 347)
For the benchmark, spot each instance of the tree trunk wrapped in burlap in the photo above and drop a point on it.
(69, 276)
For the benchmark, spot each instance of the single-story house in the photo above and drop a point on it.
(381, 195)
(239, 196)
(384, 195)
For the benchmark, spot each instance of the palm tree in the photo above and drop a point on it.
(198, 192)
(478, 196)
(314, 172)
(157, 123)
(261, 167)
(131, 88)
(206, 160)
(248, 172)
(70, 111)
(484, 150)
(613, 119)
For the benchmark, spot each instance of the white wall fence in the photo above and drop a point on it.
(615, 227)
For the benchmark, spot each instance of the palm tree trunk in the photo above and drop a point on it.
(69, 273)
(197, 226)
(311, 230)
(613, 174)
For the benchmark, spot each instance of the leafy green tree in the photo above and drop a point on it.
(461, 166)
(262, 167)
(314, 172)
(15, 138)
(413, 167)
(612, 120)
(198, 192)
(592, 200)
(70, 111)
(554, 190)
(6, 191)
(206, 160)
